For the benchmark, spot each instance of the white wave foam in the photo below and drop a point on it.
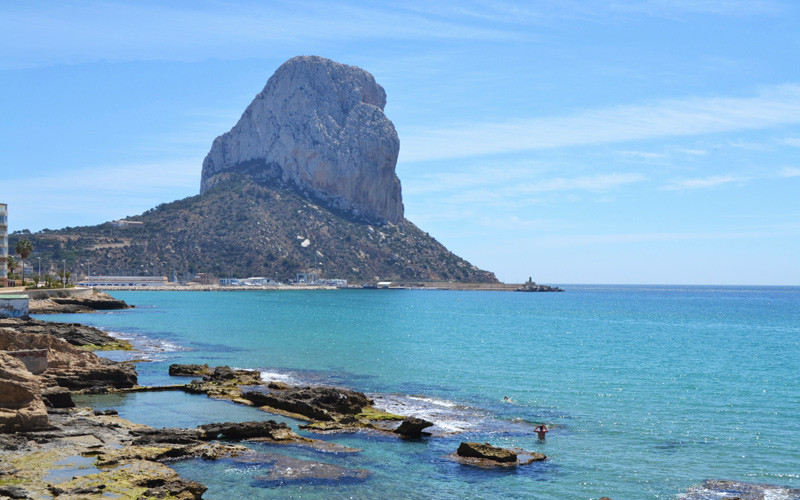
(269, 376)
(448, 417)
(149, 349)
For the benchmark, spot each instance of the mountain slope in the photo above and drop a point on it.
(242, 229)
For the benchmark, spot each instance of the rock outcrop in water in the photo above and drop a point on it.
(317, 126)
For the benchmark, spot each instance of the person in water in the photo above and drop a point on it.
(541, 431)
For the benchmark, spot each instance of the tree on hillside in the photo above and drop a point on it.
(23, 248)
(11, 263)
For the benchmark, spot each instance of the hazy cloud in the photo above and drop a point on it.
(772, 106)
(66, 32)
(706, 182)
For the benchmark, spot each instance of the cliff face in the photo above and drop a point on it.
(318, 126)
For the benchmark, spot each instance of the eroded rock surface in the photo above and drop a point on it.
(317, 126)
(178, 370)
(486, 451)
(74, 333)
(21, 404)
(69, 366)
(318, 403)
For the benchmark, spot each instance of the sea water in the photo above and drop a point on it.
(649, 389)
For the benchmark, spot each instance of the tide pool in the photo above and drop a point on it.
(649, 389)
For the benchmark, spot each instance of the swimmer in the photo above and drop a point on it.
(507, 399)
(541, 431)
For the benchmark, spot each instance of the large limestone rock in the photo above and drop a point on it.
(317, 126)
(21, 405)
(69, 366)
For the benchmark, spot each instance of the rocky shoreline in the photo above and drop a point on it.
(43, 434)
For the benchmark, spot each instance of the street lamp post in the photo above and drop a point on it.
(40, 267)
(64, 275)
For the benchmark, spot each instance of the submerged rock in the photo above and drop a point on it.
(713, 489)
(285, 469)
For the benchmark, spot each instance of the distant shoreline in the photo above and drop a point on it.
(486, 287)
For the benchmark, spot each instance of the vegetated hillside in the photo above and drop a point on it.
(241, 229)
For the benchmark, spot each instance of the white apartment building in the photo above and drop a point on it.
(3, 243)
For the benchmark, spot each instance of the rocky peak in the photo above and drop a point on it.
(318, 126)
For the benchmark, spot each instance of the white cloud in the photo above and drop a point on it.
(572, 240)
(693, 152)
(771, 107)
(48, 33)
(706, 182)
(790, 172)
(600, 182)
(720, 180)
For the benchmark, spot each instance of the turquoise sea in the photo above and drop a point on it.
(649, 389)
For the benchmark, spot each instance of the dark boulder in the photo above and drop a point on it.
(13, 492)
(278, 386)
(226, 375)
(57, 397)
(412, 427)
(248, 430)
(486, 452)
(99, 302)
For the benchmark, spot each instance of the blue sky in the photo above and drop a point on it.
(653, 141)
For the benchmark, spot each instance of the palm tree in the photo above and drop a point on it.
(23, 248)
(11, 263)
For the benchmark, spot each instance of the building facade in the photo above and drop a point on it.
(3, 244)
(126, 281)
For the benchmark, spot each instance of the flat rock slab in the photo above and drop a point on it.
(713, 489)
(318, 403)
(74, 333)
